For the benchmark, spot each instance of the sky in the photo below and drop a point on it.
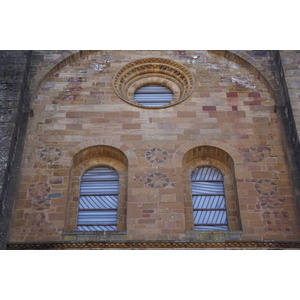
(155, 25)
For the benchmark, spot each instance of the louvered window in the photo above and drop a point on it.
(98, 203)
(209, 203)
(153, 95)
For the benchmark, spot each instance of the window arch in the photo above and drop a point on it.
(210, 192)
(97, 170)
(98, 200)
(208, 198)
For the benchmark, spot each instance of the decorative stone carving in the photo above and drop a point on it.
(157, 180)
(153, 70)
(253, 155)
(269, 202)
(266, 187)
(50, 154)
(156, 155)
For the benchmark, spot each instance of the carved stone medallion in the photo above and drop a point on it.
(157, 155)
(157, 180)
(50, 154)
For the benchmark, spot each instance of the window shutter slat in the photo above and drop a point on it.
(98, 202)
(153, 95)
(208, 197)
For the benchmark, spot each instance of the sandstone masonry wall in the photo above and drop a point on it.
(245, 105)
(229, 109)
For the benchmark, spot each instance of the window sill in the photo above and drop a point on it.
(93, 236)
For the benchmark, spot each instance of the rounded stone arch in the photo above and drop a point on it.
(243, 59)
(88, 158)
(46, 72)
(215, 157)
(67, 158)
(233, 152)
(239, 57)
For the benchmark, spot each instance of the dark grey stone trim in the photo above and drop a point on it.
(16, 67)
(131, 245)
(290, 135)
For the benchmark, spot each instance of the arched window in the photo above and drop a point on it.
(208, 198)
(98, 202)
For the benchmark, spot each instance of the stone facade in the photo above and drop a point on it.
(238, 113)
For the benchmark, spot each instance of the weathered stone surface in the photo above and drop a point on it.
(244, 102)
(14, 69)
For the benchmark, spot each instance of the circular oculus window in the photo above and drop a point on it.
(153, 83)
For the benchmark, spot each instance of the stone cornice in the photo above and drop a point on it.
(259, 245)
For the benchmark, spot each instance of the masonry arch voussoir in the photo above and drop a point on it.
(69, 155)
(44, 74)
(183, 149)
(245, 60)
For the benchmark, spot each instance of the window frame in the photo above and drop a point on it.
(153, 93)
(209, 156)
(91, 193)
(205, 211)
(92, 157)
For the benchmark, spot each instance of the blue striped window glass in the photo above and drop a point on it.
(208, 197)
(153, 95)
(98, 202)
